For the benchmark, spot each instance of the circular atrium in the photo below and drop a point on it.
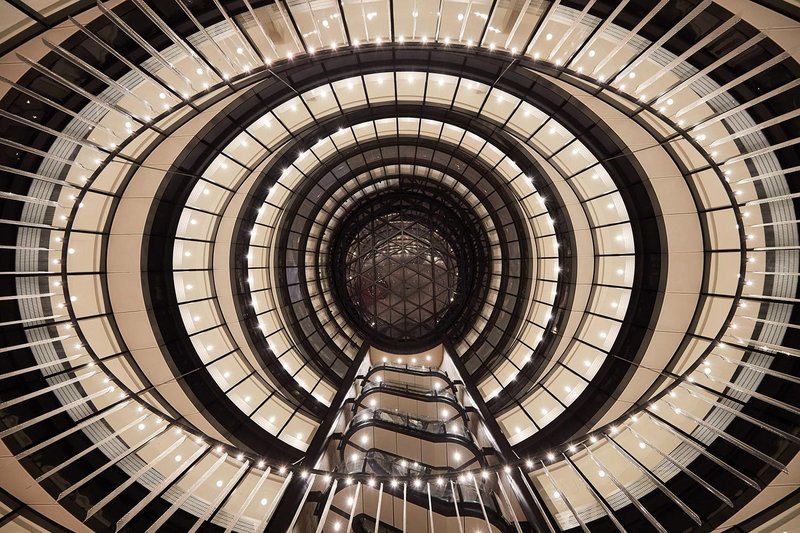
(400, 266)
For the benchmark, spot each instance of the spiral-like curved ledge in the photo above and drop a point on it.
(634, 168)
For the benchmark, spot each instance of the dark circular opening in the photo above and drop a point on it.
(404, 264)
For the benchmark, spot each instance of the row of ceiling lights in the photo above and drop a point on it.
(378, 41)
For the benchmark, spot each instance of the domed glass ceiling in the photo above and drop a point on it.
(405, 258)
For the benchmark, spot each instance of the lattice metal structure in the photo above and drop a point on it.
(405, 264)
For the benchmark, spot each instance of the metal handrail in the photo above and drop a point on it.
(417, 423)
(407, 387)
(380, 463)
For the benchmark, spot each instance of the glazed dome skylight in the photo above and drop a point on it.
(404, 264)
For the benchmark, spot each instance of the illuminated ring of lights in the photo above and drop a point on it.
(737, 294)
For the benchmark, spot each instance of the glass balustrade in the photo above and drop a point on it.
(417, 368)
(386, 464)
(381, 464)
(402, 420)
(392, 386)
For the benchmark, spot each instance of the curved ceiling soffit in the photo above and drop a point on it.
(739, 289)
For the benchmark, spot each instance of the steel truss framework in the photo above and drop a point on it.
(407, 264)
